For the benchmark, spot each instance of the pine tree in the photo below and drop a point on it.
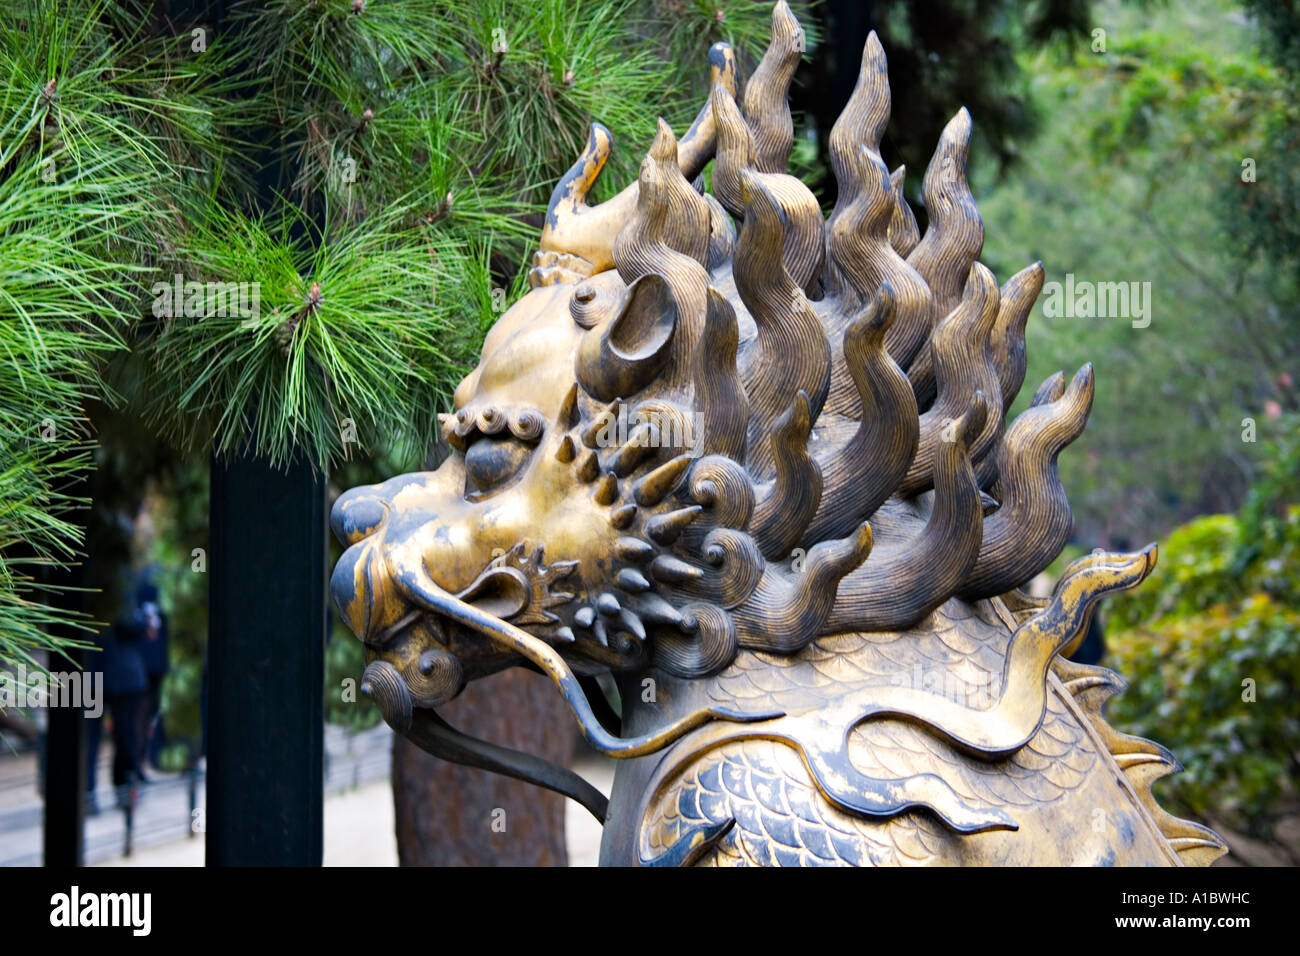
(80, 196)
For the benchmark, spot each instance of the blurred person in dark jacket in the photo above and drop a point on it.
(150, 624)
(126, 685)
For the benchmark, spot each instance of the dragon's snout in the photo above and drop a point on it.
(424, 640)
(409, 663)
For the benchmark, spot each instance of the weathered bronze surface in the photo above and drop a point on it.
(691, 456)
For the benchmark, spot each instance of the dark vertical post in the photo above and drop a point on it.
(266, 664)
(65, 777)
(65, 759)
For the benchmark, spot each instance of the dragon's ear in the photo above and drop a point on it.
(631, 350)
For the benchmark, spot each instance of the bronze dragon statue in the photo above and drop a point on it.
(752, 462)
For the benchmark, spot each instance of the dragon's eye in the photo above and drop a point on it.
(491, 461)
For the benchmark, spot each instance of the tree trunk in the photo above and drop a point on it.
(449, 815)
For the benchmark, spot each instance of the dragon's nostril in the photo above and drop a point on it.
(440, 679)
(384, 685)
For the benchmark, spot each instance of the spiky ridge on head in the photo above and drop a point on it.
(784, 379)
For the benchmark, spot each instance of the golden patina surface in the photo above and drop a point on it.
(754, 462)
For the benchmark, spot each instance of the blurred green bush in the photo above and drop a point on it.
(1211, 643)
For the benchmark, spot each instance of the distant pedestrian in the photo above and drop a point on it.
(126, 686)
(151, 626)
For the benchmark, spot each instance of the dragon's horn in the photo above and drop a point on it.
(579, 239)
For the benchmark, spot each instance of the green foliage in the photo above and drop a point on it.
(73, 185)
(1192, 694)
(1264, 518)
(416, 145)
(945, 54)
(685, 27)
(489, 102)
(344, 703)
(1134, 179)
(104, 136)
(348, 332)
(1212, 640)
(1267, 223)
(1193, 574)
(178, 506)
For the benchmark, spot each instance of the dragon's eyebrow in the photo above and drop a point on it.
(526, 422)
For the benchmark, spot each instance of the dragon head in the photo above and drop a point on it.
(673, 443)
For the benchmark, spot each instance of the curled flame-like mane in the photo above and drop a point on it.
(871, 369)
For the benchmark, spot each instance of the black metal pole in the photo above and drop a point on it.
(65, 767)
(266, 664)
(65, 777)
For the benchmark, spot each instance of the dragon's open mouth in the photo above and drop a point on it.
(387, 686)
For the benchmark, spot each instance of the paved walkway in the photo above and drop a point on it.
(359, 830)
(359, 826)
